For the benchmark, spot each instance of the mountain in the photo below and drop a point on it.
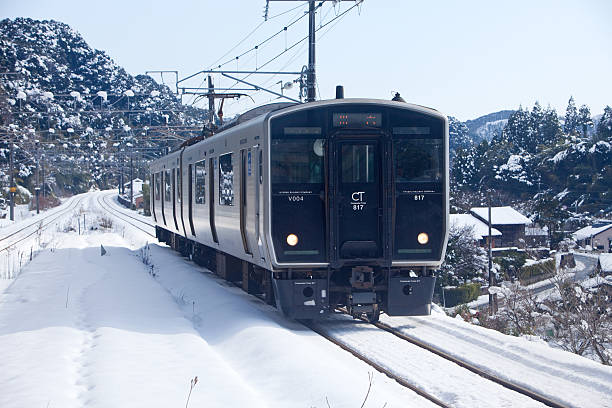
(487, 126)
(73, 109)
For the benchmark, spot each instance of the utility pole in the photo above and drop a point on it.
(311, 76)
(131, 181)
(491, 280)
(37, 188)
(12, 188)
(211, 102)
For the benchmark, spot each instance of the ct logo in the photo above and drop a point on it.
(358, 203)
(357, 196)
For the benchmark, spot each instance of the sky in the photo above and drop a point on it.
(464, 58)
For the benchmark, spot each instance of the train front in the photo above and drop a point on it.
(358, 207)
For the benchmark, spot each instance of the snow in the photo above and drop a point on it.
(501, 215)
(573, 380)
(590, 231)
(605, 260)
(111, 334)
(83, 329)
(480, 229)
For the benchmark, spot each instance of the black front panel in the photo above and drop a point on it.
(297, 168)
(368, 175)
(419, 171)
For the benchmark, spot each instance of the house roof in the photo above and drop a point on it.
(501, 215)
(605, 260)
(590, 231)
(480, 229)
(536, 231)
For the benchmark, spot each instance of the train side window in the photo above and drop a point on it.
(200, 182)
(157, 177)
(168, 186)
(226, 179)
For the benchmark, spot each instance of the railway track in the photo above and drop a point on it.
(461, 363)
(146, 227)
(143, 226)
(10, 240)
(380, 368)
(504, 383)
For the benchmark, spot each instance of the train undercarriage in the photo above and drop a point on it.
(362, 290)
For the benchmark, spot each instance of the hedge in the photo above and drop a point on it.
(461, 294)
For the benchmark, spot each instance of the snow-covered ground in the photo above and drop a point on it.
(81, 329)
(21, 213)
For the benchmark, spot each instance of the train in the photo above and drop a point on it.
(339, 203)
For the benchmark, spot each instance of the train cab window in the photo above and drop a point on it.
(418, 160)
(157, 178)
(226, 180)
(358, 164)
(200, 182)
(297, 161)
(168, 186)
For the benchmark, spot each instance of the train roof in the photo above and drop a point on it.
(262, 113)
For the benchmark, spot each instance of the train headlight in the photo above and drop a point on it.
(292, 239)
(423, 238)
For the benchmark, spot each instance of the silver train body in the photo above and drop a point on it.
(315, 206)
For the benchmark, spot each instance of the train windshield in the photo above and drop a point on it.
(297, 161)
(418, 160)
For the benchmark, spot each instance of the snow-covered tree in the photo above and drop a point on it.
(458, 134)
(571, 117)
(584, 119)
(464, 260)
(604, 127)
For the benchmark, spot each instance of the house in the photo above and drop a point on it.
(506, 220)
(479, 228)
(604, 264)
(598, 236)
(137, 187)
(536, 237)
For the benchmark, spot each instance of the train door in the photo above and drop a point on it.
(211, 200)
(181, 177)
(174, 196)
(245, 171)
(358, 203)
(191, 194)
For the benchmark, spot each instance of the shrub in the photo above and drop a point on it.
(539, 269)
(461, 294)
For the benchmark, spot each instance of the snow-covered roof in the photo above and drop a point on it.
(480, 229)
(501, 215)
(605, 260)
(536, 231)
(590, 231)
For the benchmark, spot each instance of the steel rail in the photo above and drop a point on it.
(379, 367)
(123, 216)
(491, 377)
(50, 219)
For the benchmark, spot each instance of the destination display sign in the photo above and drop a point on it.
(357, 120)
